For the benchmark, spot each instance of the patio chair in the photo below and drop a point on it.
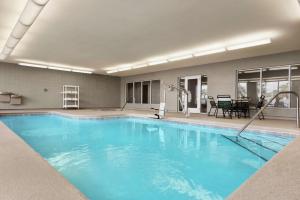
(213, 105)
(224, 103)
(242, 107)
(259, 105)
(161, 111)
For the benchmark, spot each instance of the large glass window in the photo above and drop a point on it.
(295, 83)
(146, 92)
(137, 92)
(249, 84)
(155, 91)
(143, 92)
(275, 80)
(129, 92)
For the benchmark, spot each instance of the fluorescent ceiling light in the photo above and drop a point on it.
(41, 2)
(27, 18)
(80, 71)
(124, 69)
(2, 56)
(33, 65)
(6, 50)
(249, 44)
(30, 13)
(59, 68)
(12, 42)
(171, 58)
(158, 62)
(19, 30)
(48, 66)
(208, 52)
(112, 71)
(180, 57)
(140, 66)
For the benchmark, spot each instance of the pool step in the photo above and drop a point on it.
(254, 146)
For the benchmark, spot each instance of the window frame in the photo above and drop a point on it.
(150, 92)
(289, 80)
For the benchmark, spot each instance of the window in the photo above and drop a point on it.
(275, 80)
(155, 92)
(249, 84)
(270, 81)
(295, 83)
(146, 92)
(129, 92)
(137, 92)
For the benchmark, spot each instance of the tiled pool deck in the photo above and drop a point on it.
(25, 175)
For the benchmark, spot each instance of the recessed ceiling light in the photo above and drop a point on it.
(180, 57)
(249, 44)
(157, 62)
(208, 52)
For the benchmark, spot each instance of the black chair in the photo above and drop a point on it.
(259, 105)
(242, 107)
(224, 103)
(213, 105)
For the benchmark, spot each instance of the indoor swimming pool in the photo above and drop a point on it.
(128, 158)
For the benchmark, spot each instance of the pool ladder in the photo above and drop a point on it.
(264, 107)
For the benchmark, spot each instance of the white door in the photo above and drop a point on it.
(193, 86)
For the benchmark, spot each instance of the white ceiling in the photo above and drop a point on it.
(105, 33)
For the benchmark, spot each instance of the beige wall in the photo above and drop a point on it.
(95, 90)
(221, 77)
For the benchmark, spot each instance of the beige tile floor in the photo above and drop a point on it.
(278, 180)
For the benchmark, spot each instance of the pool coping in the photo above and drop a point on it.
(239, 194)
(27, 175)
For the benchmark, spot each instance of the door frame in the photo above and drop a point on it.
(198, 95)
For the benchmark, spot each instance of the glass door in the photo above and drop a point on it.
(193, 85)
(197, 93)
(203, 94)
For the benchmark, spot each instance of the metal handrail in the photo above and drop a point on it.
(264, 107)
(124, 106)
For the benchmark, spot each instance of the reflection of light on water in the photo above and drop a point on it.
(119, 156)
(182, 186)
(75, 158)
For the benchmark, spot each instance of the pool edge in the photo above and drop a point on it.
(28, 175)
(236, 195)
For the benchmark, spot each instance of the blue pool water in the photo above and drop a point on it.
(135, 158)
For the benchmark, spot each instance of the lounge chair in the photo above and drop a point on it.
(161, 111)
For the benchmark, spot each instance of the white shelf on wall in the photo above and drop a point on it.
(70, 96)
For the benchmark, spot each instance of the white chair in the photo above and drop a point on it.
(161, 111)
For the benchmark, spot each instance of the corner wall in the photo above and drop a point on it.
(95, 90)
(221, 78)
